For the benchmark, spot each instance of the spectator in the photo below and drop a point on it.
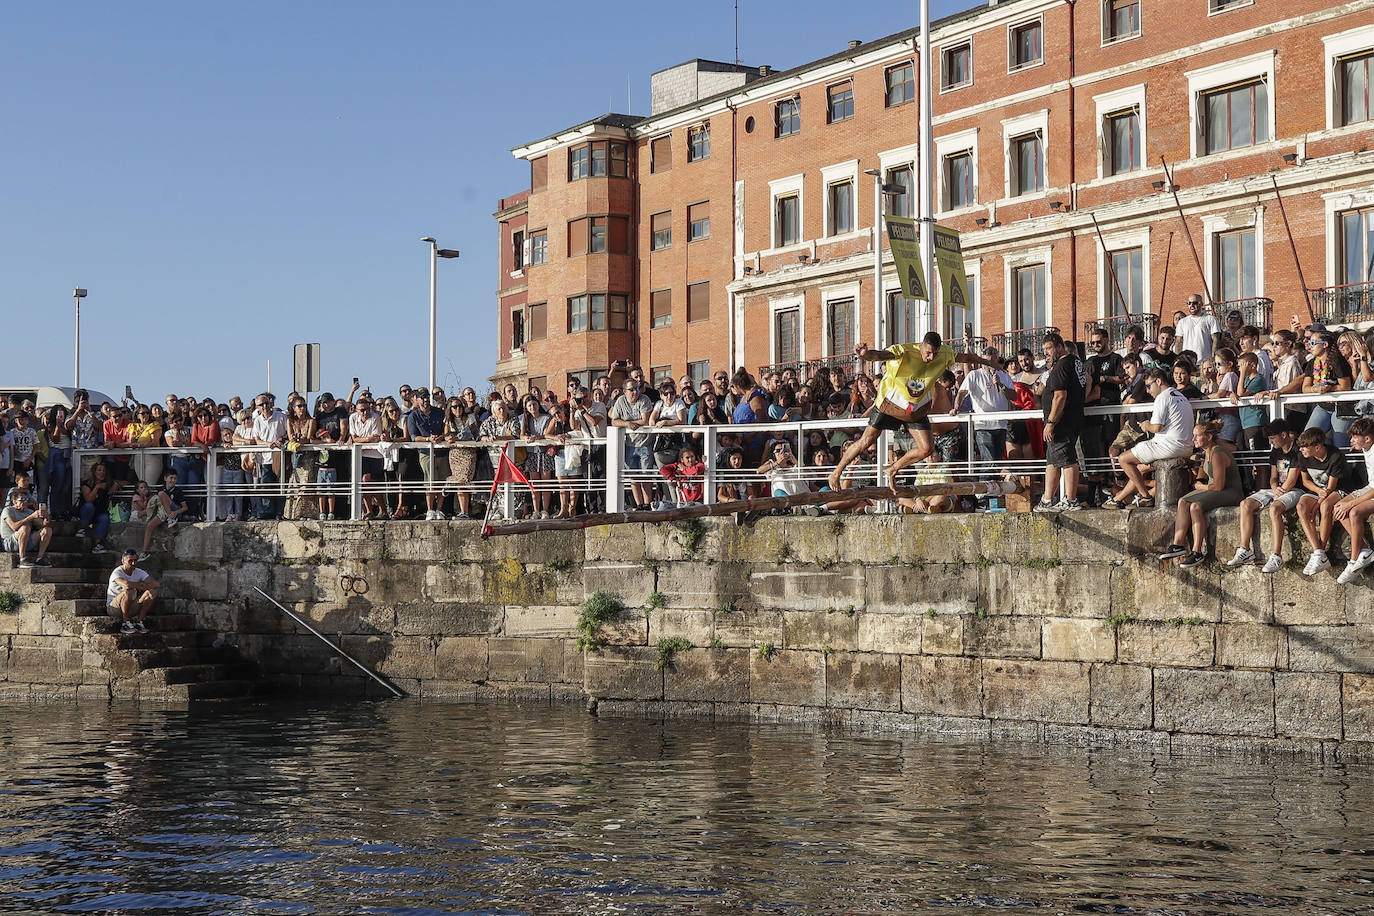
(131, 589)
(863, 396)
(1105, 372)
(751, 402)
(1327, 372)
(96, 491)
(1133, 384)
(688, 474)
(1170, 422)
(1218, 485)
(1133, 343)
(1324, 469)
(1352, 348)
(1284, 465)
(1161, 352)
(784, 406)
(783, 473)
(365, 428)
(1200, 333)
(23, 441)
(985, 389)
(237, 467)
(140, 502)
(58, 466)
(205, 434)
(1183, 379)
(1227, 389)
(425, 426)
(462, 423)
(1252, 418)
(670, 411)
(178, 435)
(1232, 332)
(167, 506)
(631, 411)
(733, 484)
(25, 527)
(300, 434)
(85, 428)
(1249, 343)
(395, 459)
(269, 429)
(1066, 389)
(1353, 510)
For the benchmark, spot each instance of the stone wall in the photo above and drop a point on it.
(1057, 627)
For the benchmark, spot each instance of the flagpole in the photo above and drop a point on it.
(927, 166)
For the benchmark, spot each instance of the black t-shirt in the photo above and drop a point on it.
(1285, 462)
(1100, 366)
(1190, 391)
(335, 422)
(177, 497)
(1333, 465)
(1070, 376)
(1136, 391)
(1162, 360)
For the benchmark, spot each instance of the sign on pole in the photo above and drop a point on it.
(949, 262)
(905, 243)
(307, 375)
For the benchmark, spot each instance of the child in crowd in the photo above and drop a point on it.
(1285, 473)
(689, 474)
(733, 486)
(1252, 418)
(1323, 470)
(138, 505)
(1352, 511)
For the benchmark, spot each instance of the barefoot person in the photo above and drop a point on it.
(907, 388)
(131, 589)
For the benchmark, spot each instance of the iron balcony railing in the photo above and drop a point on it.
(807, 368)
(1257, 310)
(1117, 325)
(1009, 343)
(1344, 304)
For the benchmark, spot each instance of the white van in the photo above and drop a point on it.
(48, 395)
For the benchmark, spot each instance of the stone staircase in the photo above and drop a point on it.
(64, 637)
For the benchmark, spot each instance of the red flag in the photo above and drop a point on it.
(506, 472)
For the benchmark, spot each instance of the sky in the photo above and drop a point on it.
(229, 181)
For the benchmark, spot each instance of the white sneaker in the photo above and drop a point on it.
(1272, 565)
(1353, 568)
(171, 523)
(439, 515)
(1316, 563)
(1243, 555)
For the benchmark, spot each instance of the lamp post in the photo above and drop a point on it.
(879, 189)
(435, 253)
(78, 294)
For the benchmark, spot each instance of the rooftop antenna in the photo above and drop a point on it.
(736, 31)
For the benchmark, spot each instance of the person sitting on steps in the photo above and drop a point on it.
(130, 589)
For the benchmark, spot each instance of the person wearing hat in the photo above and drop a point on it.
(131, 589)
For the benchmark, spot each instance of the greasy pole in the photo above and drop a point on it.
(1164, 284)
(1178, 205)
(1312, 315)
(1111, 269)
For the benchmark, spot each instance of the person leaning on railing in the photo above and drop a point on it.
(1328, 371)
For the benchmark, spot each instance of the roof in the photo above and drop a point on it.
(610, 119)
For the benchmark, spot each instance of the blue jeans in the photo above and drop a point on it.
(992, 446)
(190, 474)
(1324, 419)
(101, 521)
(235, 501)
(59, 480)
(266, 506)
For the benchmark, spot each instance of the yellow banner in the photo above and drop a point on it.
(905, 243)
(949, 263)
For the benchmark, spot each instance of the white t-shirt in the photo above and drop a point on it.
(786, 480)
(1196, 333)
(987, 396)
(1175, 415)
(118, 577)
(1369, 466)
(366, 429)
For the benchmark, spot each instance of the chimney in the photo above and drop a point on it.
(765, 70)
(854, 43)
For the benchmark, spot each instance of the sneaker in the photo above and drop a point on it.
(143, 555)
(172, 522)
(26, 563)
(1070, 505)
(1316, 563)
(1143, 502)
(1352, 568)
(439, 516)
(140, 627)
(1112, 504)
(1175, 550)
(1046, 506)
(127, 627)
(99, 548)
(80, 532)
(1193, 558)
(42, 561)
(1272, 565)
(1243, 555)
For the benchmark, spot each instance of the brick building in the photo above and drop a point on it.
(734, 225)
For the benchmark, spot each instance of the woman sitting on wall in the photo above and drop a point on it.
(1218, 485)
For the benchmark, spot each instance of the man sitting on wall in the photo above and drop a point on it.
(131, 589)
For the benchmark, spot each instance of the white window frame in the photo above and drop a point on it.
(951, 144)
(833, 294)
(782, 187)
(1109, 103)
(833, 174)
(1012, 128)
(940, 73)
(1120, 241)
(1214, 224)
(1225, 6)
(1104, 10)
(1343, 44)
(1335, 203)
(1200, 81)
(783, 305)
(1027, 258)
(1012, 66)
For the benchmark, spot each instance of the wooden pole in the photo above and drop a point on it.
(1178, 205)
(1312, 315)
(1111, 268)
(1164, 285)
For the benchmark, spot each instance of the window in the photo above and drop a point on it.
(1027, 164)
(787, 335)
(956, 66)
(661, 225)
(699, 370)
(577, 314)
(839, 102)
(699, 221)
(658, 373)
(901, 318)
(1127, 292)
(787, 117)
(661, 308)
(539, 173)
(958, 176)
(1026, 45)
(619, 312)
(517, 329)
(1120, 19)
(589, 312)
(597, 235)
(698, 142)
(1352, 87)
(596, 160)
(839, 328)
(901, 84)
(1121, 136)
(661, 154)
(899, 204)
(579, 162)
(1219, 6)
(517, 254)
(788, 218)
(596, 238)
(1235, 260)
(1028, 292)
(960, 319)
(1357, 246)
(538, 325)
(840, 204)
(699, 301)
(620, 160)
(539, 247)
(1235, 116)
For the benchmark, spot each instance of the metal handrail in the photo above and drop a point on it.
(396, 691)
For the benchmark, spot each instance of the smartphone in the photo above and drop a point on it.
(355, 380)
(129, 392)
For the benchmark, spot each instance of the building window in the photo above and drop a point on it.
(589, 312)
(1352, 83)
(958, 176)
(788, 219)
(1219, 6)
(1121, 136)
(839, 198)
(699, 221)
(787, 335)
(517, 253)
(901, 318)
(698, 142)
(901, 84)
(595, 160)
(1026, 45)
(539, 247)
(517, 329)
(597, 235)
(579, 163)
(956, 66)
(840, 327)
(1235, 260)
(899, 203)
(699, 370)
(596, 238)
(661, 154)
(840, 102)
(699, 301)
(661, 308)
(1127, 292)
(1120, 19)
(1030, 308)
(577, 314)
(1357, 246)
(661, 225)
(787, 117)
(659, 374)
(1235, 116)
(620, 160)
(960, 320)
(538, 325)
(618, 315)
(539, 174)
(1027, 164)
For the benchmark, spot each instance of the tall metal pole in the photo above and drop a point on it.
(76, 383)
(879, 335)
(927, 165)
(433, 308)
(1312, 316)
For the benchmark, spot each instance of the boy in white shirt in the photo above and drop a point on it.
(1351, 511)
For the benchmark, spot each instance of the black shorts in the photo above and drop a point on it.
(373, 467)
(881, 421)
(1017, 433)
(1061, 452)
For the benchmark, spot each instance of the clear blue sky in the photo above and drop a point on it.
(230, 181)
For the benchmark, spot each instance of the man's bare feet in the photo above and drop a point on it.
(891, 476)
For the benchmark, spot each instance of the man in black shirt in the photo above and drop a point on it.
(1106, 373)
(1324, 471)
(166, 507)
(1066, 387)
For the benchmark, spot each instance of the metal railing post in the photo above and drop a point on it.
(709, 459)
(212, 485)
(615, 469)
(76, 477)
(355, 482)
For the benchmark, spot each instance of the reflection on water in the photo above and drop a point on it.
(419, 808)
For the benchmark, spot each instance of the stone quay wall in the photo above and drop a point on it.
(1055, 627)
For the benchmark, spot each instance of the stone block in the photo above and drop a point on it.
(453, 691)
(452, 581)
(243, 578)
(356, 616)
(1015, 588)
(205, 584)
(1037, 691)
(747, 628)
(1091, 536)
(298, 540)
(623, 673)
(45, 660)
(1357, 703)
(1247, 595)
(1156, 643)
(1145, 589)
(860, 538)
(702, 585)
(574, 663)
(525, 660)
(408, 657)
(1251, 645)
(450, 619)
(1303, 601)
(1359, 601)
(942, 634)
(838, 629)
(793, 587)
(461, 659)
(1077, 640)
(863, 680)
(695, 626)
(1339, 649)
(507, 581)
(1122, 696)
(541, 620)
(996, 636)
(1307, 705)
(792, 678)
(708, 675)
(949, 588)
(200, 542)
(727, 543)
(1214, 702)
(900, 633)
(630, 581)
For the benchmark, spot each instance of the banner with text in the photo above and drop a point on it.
(905, 243)
(949, 263)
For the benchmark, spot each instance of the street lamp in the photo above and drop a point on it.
(435, 253)
(78, 294)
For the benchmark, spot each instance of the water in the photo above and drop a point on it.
(416, 808)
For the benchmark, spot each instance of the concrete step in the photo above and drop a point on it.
(68, 559)
(38, 575)
(201, 673)
(213, 690)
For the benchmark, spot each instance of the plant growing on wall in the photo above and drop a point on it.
(693, 530)
(10, 602)
(600, 608)
(669, 646)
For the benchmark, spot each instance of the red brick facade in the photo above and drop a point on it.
(1053, 106)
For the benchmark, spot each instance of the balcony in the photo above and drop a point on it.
(974, 345)
(1033, 339)
(807, 368)
(1116, 327)
(1346, 304)
(1258, 311)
